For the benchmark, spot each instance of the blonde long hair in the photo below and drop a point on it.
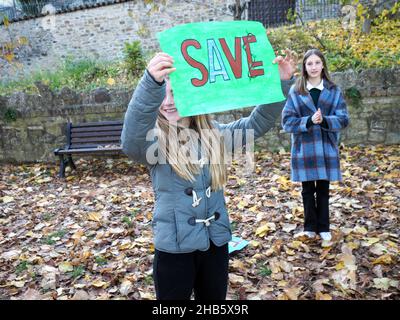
(212, 145)
(301, 82)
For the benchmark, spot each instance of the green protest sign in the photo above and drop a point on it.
(221, 66)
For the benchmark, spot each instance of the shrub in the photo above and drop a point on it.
(9, 115)
(134, 59)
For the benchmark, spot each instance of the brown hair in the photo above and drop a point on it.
(301, 82)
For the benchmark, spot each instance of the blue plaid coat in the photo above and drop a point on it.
(314, 151)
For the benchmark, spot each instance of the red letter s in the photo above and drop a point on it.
(194, 63)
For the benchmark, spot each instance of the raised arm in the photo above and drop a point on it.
(142, 111)
(263, 117)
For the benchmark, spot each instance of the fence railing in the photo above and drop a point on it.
(34, 7)
(270, 12)
(273, 13)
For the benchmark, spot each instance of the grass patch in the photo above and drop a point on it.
(100, 260)
(77, 272)
(80, 75)
(52, 238)
(128, 220)
(264, 271)
(21, 267)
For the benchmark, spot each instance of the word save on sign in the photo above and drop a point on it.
(221, 66)
(216, 63)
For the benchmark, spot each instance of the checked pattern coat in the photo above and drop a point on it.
(314, 151)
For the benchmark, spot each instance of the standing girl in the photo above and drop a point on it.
(190, 223)
(314, 113)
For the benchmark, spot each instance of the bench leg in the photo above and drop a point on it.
(71, 162)
(61, 174)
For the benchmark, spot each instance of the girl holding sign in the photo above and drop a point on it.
(190, 223)
(314, 113)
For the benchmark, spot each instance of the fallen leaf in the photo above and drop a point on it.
(126, 287)
(7, 199)
(385, 283)
(99, 283)
(94, 216)
(292, 293)
(385, 259)
(378, 249)
(81, 295)
(369, 241)
(262, 231)
(235, 279)
(65, 267)
(288, 227)
(322, 296)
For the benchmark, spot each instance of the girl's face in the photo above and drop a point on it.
(314, 67)
(167, 108)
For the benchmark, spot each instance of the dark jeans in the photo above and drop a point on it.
(316, 208)
(176, 275)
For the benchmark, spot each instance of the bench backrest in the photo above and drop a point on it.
(94, 134)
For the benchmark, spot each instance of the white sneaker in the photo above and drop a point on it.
(305, 234)
(310, 234)
(326, 236)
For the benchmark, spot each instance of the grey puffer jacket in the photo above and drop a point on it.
(187, 215)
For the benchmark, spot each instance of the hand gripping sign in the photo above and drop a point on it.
(221, 66)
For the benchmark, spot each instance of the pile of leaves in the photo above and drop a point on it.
(89, 236)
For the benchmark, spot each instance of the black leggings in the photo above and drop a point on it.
(176, 275)
(316, 205)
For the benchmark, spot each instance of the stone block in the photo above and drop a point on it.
(392, 138)
(376, 136)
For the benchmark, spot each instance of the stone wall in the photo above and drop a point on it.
(101, 32)
(41, 119)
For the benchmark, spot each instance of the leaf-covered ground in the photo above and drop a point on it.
(89, 236)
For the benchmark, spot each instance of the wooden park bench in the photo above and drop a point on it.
(90, 138)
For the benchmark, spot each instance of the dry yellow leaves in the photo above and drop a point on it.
(275, 265)
(65, 267)
(235, 279)
(254, 243)
(353, 245)
(238, 264)
(360, 230)
(322, 296)
(282, 283)
(369, 241)
(385, 259)
(94, 216)
(340, 265)
(295, 244)
(266, 227)
(99, 284)
(290, 252)
(126, 244)
(292, 293)
(18, 284)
